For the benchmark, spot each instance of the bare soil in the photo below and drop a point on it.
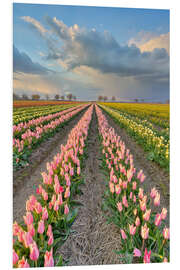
(26, 180)
(94, 240)
(155, 175)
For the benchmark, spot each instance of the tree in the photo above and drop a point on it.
(136, 100)
(62, 97)
(105, 98)
(35, 97)
(113, 98)
(25, 97)
(74, 97)
(100, 98)
(56, 97)
(47, 97)
(69, 96)
(16, 96)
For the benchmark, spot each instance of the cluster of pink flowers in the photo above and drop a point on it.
(36, 234)
(28, 137)
(22, 126)
(125, 190)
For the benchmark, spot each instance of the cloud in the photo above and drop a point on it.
(23, 63)
(34, 23)
(147, 41)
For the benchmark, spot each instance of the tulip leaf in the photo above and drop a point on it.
(60, 261)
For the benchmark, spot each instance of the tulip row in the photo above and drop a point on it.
(31, 113)
(158, 114)
(156, 145)
(19, 129)
(145, 238)
(30, 139)
(50, 214)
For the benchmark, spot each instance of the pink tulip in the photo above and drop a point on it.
(146, 215)
(144, 231)
(158, 220)
(48, 259)
(27, 239)
(132, 229)
(137, 222)
(137, 253)
(134, 199)
(157, 199)
(166, 233)
(147, 256)
(31, 229)
(78, 170)
(16, 228)
(23, 263)
(38, 208)
(66, 209)
(56, 206)
(153, 192)
(15, 257)
(41, 226)
(44, 213)
(49, 231)
(124, 201)
(123, 234)
(119, 206)
(28, 219)
(135, 211)
(34, 251)
(67, 192)
(140, 194)
(134, 185)
(117, 189)
(165, 260)
(142, 205)
(111, 186)
(163, 213)
(51, 240)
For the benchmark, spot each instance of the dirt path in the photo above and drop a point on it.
(93, 241)
(26, 180)
(155, 176)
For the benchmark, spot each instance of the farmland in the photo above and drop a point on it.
(90, 183)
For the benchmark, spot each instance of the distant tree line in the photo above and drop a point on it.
(37, 97)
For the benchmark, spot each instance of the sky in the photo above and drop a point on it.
(91, 51)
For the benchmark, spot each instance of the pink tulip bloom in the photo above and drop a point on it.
(142, 205)
(44, 213)
(153, 192)
(49, 230)
(67, 192)
(157, 199)
(28, 219)
(166, 233)
(137, 252)
(111, 186)
(124, 184)
(15, 257)
(21, 235)
(48, 259)
(147, 256)
(140, 194)
(51, 240)
(131, 194)
(119, 206)
(163, 213)
(31, 230)
(123, 234)
(132, 229)
(66, 209)
(117, 189)
(124, 201)
(142, 178)
(45, 195)
(144, 231)
(16, 228)
(38, 208)
(78, 170)
(158, 220)
(34, 251)
(27, 239)
(135, 211)
(134, 185)
(137, 222)
(134, 199)
(23, 263)
(165, 260)
(56, 206)
(41, 226)
(146, 215)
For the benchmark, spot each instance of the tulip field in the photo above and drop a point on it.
(131, 203)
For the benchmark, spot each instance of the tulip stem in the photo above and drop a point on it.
(142, 246)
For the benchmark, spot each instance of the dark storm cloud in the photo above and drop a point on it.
(100, 51)
(23, 63)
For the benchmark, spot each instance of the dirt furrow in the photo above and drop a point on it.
(93, 241)
(27, 179)
(155, 176)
